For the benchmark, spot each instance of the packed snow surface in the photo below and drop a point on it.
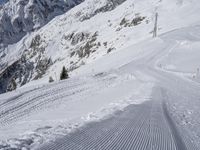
(131, 76)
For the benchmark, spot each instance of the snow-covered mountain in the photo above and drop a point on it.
(21, 17)
(85, 33)
(18, 17)
(113, 62)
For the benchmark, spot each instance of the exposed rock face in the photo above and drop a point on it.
(17, 17)
(17, 73)
(83, 43)
(31, 66)
(23, 71)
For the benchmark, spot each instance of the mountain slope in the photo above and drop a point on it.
(87, 32)
(19, 18)
(113, 62)
(22, 16)
(28, 58)
(165, 102)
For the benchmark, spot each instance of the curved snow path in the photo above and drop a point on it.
(147, 126)
(154, 125)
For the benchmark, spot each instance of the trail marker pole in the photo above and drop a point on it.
(155, 26)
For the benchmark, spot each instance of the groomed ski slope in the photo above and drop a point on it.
(167, 121)
(145, 126)
(130, 99)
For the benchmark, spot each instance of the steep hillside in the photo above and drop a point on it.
(149, 78)
(87, 32)
(17, 17)
(21, 17)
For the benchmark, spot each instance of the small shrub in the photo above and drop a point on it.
(51, 79)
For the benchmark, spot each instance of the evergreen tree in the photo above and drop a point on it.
(51, 79)
(64, 74)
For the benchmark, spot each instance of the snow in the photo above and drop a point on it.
(110, 82)
(172, 15)
(58, 114)
(169, 19)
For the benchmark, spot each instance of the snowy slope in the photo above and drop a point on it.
(114, 62)
(17, 20)
(131, 76)
(89, 31)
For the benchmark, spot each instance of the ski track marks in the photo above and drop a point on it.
(147, 126)
(25, 103)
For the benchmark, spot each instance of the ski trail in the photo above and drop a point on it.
(147, 126)
(24, 104)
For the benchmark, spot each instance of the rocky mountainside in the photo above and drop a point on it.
(18, 17)
(29, 16)
(21, 17)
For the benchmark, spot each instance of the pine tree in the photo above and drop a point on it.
(51, 79)
(64, 74)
